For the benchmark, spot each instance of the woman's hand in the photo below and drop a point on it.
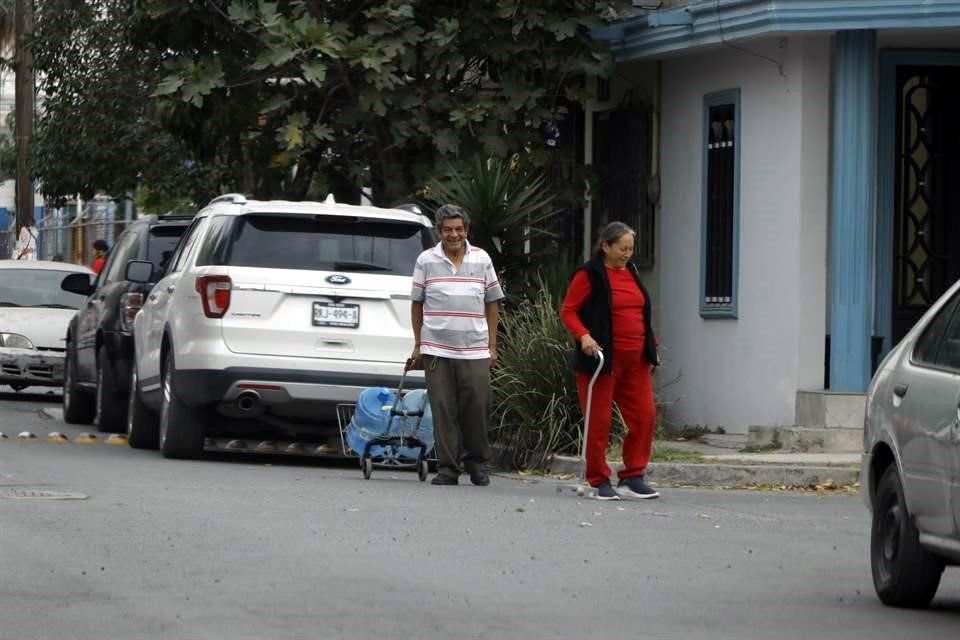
(589, 346)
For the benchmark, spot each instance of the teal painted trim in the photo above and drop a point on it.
(670, 18)
(852, 208)
(713, 310)
(716, 22)
(890, 59)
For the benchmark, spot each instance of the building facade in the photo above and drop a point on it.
(808, 159)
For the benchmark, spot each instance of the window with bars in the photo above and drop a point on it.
(721, 181)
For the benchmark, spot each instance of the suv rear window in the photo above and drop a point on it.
(161, 242)
(322, 243)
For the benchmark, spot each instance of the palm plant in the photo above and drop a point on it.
(511, 209)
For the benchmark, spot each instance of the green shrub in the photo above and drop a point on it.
(535, 408)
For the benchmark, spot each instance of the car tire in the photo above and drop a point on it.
(111, 406)
(904, 573)
(181, 433)
(78, 407)
(143, 426)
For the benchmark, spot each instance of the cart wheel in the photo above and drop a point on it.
(367, 468)
(422, 470)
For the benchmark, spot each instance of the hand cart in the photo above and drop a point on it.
(582, 487)
(394, 439)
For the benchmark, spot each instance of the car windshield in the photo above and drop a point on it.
(326, 243)
(36, 288)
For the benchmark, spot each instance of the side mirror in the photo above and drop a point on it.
(139, 271)
(81, 283)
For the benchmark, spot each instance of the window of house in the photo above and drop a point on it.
(721, 184)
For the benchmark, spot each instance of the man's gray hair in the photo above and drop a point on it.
(451, 211)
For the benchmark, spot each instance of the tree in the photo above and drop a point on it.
(8, 152)
(98, 129)
(294, 97)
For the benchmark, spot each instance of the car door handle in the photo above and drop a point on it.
(170, 288)
(900, 390)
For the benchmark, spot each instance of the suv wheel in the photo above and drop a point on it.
(143, 428)
(181, 434)
(77, 405)
(904, 573)
(111, 405)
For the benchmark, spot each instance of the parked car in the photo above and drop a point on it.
(34, 313)
(100, 335)
(910, 476)
(273, 312)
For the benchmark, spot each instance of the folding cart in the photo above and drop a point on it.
(401, 446)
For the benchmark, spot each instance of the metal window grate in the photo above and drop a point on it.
(721, 183)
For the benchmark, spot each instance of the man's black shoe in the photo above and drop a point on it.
(444, 479)
(480, 478)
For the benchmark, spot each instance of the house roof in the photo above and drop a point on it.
(705, 22)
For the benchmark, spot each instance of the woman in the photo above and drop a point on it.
(608, 309)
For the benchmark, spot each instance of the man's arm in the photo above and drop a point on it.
(416, 319)
(492, 311)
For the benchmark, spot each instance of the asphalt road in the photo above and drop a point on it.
(259, 548)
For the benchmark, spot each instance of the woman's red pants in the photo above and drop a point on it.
(630, 385)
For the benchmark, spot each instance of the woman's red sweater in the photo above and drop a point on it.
(627, 308)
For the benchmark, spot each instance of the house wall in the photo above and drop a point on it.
(734, 373)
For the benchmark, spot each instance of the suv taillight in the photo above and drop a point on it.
(215, 294)
(130, 304)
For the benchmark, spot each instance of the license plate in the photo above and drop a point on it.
(336, 314)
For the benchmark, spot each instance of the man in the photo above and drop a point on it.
(100, 249)
(454, 313)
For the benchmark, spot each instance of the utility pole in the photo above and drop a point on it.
(23, 111)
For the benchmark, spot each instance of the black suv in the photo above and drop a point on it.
(100, 336)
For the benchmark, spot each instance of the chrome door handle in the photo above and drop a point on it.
(170, 288)
(900, 390)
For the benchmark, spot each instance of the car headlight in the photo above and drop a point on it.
(15, 341)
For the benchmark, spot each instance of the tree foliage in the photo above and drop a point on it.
(290, 98)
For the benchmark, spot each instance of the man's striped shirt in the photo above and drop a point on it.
(454, 302)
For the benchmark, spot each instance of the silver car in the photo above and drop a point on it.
(34, 314)
(910, 476)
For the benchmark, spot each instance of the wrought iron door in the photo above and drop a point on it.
(927, 191)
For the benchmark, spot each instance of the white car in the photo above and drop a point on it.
(274, 312)
(34, 314)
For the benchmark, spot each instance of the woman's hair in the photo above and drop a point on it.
(610, 234)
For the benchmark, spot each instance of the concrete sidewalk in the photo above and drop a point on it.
(723, 467)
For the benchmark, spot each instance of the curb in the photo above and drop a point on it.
(710, 474)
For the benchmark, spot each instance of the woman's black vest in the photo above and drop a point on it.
(597, 316)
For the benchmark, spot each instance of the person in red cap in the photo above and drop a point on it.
(100, 249)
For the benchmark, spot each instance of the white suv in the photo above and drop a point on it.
(275, 311)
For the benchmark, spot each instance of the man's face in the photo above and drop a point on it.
(453, 234)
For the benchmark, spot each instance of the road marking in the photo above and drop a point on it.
(117, 439)
(86, 438)
(56, 436)
(35, 494)
(26, 436)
